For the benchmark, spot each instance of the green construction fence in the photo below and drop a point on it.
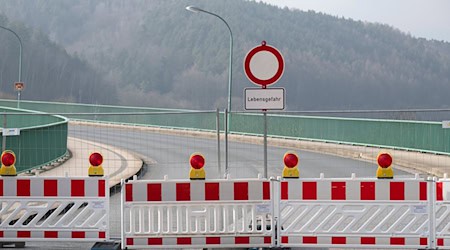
(408, 135)
(40, 139)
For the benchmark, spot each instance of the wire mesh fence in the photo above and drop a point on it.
(165, 140)
(155, 144)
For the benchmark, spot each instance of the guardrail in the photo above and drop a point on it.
(397, 134)
(39, 138)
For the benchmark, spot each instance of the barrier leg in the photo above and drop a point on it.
(12, 244)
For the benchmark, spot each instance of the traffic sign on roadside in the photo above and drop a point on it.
(264, 99)
(19, 86)
(264, 65)
(445, 124)
(10, 131)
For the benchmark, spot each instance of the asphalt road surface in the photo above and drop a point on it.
(169, 154)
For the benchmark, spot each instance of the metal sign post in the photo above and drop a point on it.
(265, 143)
(264, 65)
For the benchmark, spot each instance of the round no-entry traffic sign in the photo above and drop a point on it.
(264, 65)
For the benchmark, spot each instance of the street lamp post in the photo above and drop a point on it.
(230, 75)
(20, 62)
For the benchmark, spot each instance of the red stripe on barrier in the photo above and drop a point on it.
(423, 191)
(338, 191)
(241, 240)
(130, 241)
(367, 190)
(368, 241)
(338, 240)
(77, 188)
(266, 190)
(213, 240)
(23, 188)
(284, 239)
(102, 235)
(183, 191)
(309, 240)
(423, 241)
(241, 191)
(23, 234)
(397, 241)
(128, 192)
(50, 234)
(154, 192)
(78, 235)
(1, 187)
(101, 188)
(309, 190)
(439, 191)
(184, 240)
(284, 190)
(397, 191)
(212, 191)
(50, 187)
(440, 242)
(267, 240)
(155, 241)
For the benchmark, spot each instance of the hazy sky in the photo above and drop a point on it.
(422, 18)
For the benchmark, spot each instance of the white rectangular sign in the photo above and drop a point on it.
(259, 99)
(11, 131)
(445, 124)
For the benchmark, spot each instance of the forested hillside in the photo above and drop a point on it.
(48, 71)
(158, 54)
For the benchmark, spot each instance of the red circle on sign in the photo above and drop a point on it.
(255, 79)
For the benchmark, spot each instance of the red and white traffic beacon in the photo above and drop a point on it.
(385, 170)
(290, 165)
(96, 169)
(8, 160)
(197, 162)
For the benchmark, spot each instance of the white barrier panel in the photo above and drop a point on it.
(358, 213)
(52, 208)
(212, 213)
(443, 213)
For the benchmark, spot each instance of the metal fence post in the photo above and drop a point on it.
(122, 213)
(432, 212)
(225, 115)
(218, 140)
(276, 210)
(3, 134)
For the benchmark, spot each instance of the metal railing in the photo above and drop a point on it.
(36, 138)
(421, 136)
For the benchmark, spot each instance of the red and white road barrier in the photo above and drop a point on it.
(57, 208)
(355, 213)
(442, 213)
(213, 213)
